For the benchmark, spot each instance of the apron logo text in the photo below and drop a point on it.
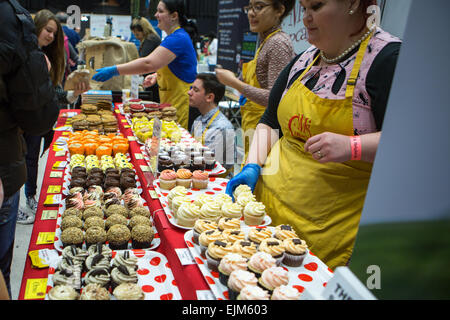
(299, 126)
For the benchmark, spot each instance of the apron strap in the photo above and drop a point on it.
(351, 82)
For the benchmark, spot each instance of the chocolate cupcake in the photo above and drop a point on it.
(71, 221)
(77, 182)
(118, 236)
(116, 209)
(115, 219)
(142, 236)
(198, 163)
(164, 163)
(127, 182)
(72, 236)
(95, 235)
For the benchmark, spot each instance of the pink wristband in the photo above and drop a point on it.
(355, 143)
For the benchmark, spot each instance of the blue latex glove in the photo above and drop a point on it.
(106, 73)
(249, 175)
(242, 100)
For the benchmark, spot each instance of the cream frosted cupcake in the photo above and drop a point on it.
(274, 247)
(231, 210)
(254, 213)
(210, 211)
(259, 262)
(295, 252)
(202, 225)
(216, 251)
(233, 235)
(244, 198)
(241, 189)
(184, 178)
(253, 293)
(200, 179)
(257, 235)
(238, 280)
(202, 199)
(245, 248)
(222, 198)
(177, 202)
(63, 292)
(206, 237)
(284, 292)
(285, 231)
(228, 223)
(168, 179)
(229, 263)
(177, 191)
(187, 214)
(273, 277)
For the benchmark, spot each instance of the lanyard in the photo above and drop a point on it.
(207, 126)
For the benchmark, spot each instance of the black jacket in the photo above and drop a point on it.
(27, 97)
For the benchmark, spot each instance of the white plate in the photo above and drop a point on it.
(312, 275)
(154, 276)
(215, 186)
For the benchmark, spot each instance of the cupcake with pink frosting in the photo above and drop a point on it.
(253, 293)
(273, 277)
(168, 179)
(229, 263)
(260, 261)
(284, 292)
(238, 280)
(199, 179)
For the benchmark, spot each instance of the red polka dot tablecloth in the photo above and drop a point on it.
(312, 275)
(154, 275)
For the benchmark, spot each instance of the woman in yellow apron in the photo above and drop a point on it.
(315, 176)
(175, 61)
(259, 75)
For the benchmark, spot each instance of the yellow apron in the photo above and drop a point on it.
(173, 90)
(323, 202)
(251, 112)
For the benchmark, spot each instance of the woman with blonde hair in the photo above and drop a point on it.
(146, 34)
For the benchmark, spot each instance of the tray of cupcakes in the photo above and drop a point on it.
(255, 263)
(187, 198)
(99, 273)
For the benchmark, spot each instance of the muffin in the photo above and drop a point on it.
(285, 292)
(115, 219)
(72, 236)
(228, 223)
(206, 237)
(187, 214)
(231, 210)
(63, 292)
(273, 277)
(233, 235)
(184, 178)
(165, 163)
(253, 293)
(259, 262)
(94, 221)
(95, 235)
(142, 236)
(229, 263)
(139, 211)
(137, 220)
(274, 247)
(116, 209)
(199, 179)
(238, 280)
(91, 212)
(94, 291)
(284, 231)
(118, 236)
(254, 213)
(295, 252)
(244, 248)
(210, 210)
(216, 251)
(202, 225)
(128, 291)
(168, 179)
(71, 221)
(257, 235)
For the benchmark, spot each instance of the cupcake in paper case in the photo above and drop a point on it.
(118, 236)
(215, 252)
(231, 210)
(97, 261)
(210, 211)
(233, 235)
(177, 202)
(257, 235)
(238, 280)
(295, 252)
(206, 237)
(68, 274)
(63, 292)
(229, 263)
(137, 220)
(140, 211)
(142, 236)
(222, 198)
(285, 231)
(253, 293)
(245, 248)
(115, 219)
(285, 292)
(78, 255)
(95, 235)
(254, 213)
(199, 179)
(123, 274)
(72, 236)
(94, 291)
(242, 188)
(259, 262)
(203, 198)
(102, 249)
(168, 179)
(228, 223)
(273, 277)
(187, 214)
(101, 277)
(72, 211)
(244, 198)
(125, 259)
(202, 225)
(71, 221)
(274, 247)
(184, 178)
(128, 291)
(93, 211)
(116, 209)
(177, 191)
(94, 222)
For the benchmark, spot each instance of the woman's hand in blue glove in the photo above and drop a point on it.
(105, 74)
(249, 175)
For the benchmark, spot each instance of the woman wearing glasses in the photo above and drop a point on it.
(274, 53)
(328, 104)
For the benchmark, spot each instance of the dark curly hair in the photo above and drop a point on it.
(288, 6)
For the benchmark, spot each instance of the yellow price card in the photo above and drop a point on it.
(35, 289)
(127, 126)
(52, 200)
(45, 238)
(54, 189)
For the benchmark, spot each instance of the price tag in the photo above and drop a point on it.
(59, 165)
(56, 174)
(42, 258)
(127, 126)
(52, 200)
(145, 168)
(35, 289)
(61, 153)
(49, 214)
(45, 238)
(54, 189)
(138, 156)
(184, 256)
(153, 194)
(131, 138)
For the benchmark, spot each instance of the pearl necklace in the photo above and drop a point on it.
(346, 52)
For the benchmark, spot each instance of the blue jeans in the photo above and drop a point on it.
(32, 159)
(8, 217)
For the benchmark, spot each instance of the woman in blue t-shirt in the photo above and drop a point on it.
(174, 61)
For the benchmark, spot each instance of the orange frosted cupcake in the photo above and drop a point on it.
(168, 179)
(199, 179)
(184, 177)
